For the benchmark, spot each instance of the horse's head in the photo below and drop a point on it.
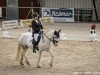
(56, 37)
(53, 36)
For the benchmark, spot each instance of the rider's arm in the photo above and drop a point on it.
(33, 24)
(41, 25)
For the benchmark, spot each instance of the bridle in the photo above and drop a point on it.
(52, 39)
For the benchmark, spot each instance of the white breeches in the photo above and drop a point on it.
(36, 36)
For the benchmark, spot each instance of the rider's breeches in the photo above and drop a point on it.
(36, 36)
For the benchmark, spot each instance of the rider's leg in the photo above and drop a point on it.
(34, 45)
(38, 40)
(35, 42)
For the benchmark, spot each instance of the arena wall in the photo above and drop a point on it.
(68, 3)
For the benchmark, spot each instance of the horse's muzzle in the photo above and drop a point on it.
(56, 43)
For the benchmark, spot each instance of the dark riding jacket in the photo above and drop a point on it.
(36, 26)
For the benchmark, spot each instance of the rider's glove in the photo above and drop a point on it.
(42, 29)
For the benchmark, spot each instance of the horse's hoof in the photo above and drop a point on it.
(51, 64)
(38, 66)
(28, 64)
(21, 63)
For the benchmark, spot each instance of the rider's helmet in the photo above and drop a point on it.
(35, 14)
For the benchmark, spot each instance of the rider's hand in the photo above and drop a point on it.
(42, 29)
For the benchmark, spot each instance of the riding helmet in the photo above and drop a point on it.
(35, 14)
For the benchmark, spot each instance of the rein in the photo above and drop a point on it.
(49, 38)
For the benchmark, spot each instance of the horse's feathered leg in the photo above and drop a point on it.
(39, 58)
(52, 57)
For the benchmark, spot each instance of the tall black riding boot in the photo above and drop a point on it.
(37, 46)
(34, 46)
(34, 49)
(39, 37)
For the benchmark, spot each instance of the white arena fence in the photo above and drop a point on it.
(10, 24)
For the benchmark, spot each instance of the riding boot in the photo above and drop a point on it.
(34, 46)
(39, 37)
(37, 46)
(34, 49)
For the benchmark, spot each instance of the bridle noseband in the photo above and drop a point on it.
(54, 41)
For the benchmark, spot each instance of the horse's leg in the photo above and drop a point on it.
(26, 60)
(18, 52)
(38, 63)
(52, 57)
(22, 54)
(19, 55)
(21, 59)
(24, 49)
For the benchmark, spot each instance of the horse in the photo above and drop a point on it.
(47, 38)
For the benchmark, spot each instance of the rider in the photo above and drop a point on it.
(36, 31)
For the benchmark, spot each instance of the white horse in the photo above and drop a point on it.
(25, 42)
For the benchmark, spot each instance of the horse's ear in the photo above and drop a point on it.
(59, 31)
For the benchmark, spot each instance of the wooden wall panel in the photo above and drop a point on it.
(23, 12)
(68, 3)
(3, 4)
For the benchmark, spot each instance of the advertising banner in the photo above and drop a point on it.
(59, 15)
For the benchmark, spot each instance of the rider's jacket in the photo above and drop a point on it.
(36, 26)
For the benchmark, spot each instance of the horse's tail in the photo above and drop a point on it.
(19, 52)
